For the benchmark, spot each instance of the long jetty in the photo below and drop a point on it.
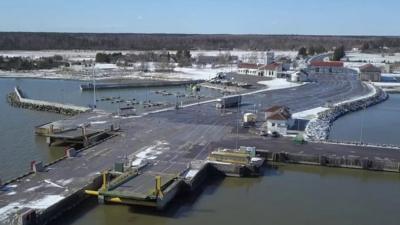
(153, 157)
(17, 99)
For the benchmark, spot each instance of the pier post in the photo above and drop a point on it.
(49, 141)
(85, 139)
(51, 130)
(37, 166)
(70, 152)
(26, 216)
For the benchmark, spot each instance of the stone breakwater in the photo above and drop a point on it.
(16, 99)
(318, 129)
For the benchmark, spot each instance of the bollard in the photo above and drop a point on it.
(37, 166)
(70, 152)
(51, 129)
(26, 216)
(85, 139)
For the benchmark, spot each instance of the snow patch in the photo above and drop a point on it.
(309, 114)
(8, 210)
(45, 202)
(53, 184)
(279, 83)
(191, 173)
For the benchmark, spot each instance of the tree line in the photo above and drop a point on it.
(22, 63)
(112, 41)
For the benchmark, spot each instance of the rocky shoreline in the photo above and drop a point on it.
(318, 129)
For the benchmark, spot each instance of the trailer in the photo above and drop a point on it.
(229, 101)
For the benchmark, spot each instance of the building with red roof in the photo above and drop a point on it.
(278, 119)
(326, 67)
(267, 70)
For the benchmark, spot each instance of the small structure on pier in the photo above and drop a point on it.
(370, 72)
(236, 162)
(278, 120)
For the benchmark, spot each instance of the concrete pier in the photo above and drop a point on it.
(167, 143)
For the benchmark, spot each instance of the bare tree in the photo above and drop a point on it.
(253, 58)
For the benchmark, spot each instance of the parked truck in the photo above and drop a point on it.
(249, 120)
(229, 101)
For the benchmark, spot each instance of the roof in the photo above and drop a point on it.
(272, 66)
(327, 63)
(278, 113)
(249, 66)
(279, 116)
(274, 108)
(369, 68)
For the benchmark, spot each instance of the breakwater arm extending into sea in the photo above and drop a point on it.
(17, 99)
(318, 129)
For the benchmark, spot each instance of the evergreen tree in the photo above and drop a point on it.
(339, 53)
(302, 52)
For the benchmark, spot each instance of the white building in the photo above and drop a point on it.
(270, 70)
(278, 120)
(299, 76)
(249, 69)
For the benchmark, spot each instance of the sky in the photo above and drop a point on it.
(308, 17)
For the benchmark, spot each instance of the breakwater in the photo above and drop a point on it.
(318, 128)
(16, 99)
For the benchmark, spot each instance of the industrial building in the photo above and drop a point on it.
(370, 72)
(326, 67)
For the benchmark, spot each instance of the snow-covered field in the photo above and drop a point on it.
(78, 55)
(111, 71)
(279, 83)
(198, 73)
(373, 58)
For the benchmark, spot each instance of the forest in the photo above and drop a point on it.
(136, 41)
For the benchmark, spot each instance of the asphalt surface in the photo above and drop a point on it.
(174, 138)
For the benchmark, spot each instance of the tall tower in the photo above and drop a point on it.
(270, 57)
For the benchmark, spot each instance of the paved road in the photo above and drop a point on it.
(171, 139)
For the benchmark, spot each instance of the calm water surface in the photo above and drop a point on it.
(290, 194)
(378, 124)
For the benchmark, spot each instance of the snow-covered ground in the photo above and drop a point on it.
(141, 157)
(198, 73)
(111, 71)
(79, 55)
(387, 84)
(279, 83)
(309, 114)
(373, 58)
